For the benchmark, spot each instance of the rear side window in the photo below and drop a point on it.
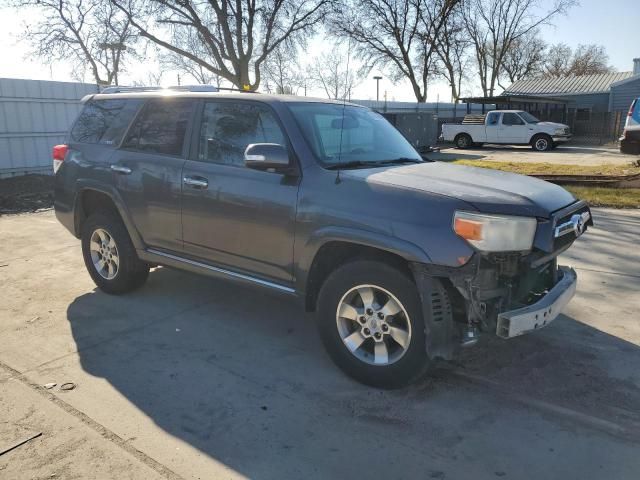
(492, 118)
(160, 127)
(104, 121)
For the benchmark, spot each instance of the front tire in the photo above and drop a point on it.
(542, 143)
(370, 320)
(109, 255)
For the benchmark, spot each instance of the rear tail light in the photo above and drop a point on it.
(633, 105)
(59, 152)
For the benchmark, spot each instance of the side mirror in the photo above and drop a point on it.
(267, 156)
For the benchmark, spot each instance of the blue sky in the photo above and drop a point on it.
(612, 23)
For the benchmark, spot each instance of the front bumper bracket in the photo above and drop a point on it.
(540, 314)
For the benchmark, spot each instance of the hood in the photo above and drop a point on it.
(490, 191)
(552, 125)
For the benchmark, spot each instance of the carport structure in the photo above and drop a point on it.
(545, 108)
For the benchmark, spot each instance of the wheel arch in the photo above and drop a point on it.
(466, 134)
(333, 247)
(91, 197)
(540, 134)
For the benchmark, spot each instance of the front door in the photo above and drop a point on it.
(148, 167)
(232, 216)
(513, 129)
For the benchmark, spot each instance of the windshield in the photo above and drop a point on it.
(340, 134)
(527, 117)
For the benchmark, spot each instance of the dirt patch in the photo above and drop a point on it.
(26, 193)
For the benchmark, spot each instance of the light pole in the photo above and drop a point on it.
(377, 79)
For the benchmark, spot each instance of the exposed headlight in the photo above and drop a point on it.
(495, 233)
(559, 131)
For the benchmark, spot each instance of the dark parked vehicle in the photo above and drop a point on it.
(402, 260)
(630, 140)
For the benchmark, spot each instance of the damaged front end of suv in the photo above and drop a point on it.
(512, 284)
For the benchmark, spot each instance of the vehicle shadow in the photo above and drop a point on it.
(242, 377)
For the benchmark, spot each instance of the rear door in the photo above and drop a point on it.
(148, 167)
(233, 216)
(513, 129)
(492, 125)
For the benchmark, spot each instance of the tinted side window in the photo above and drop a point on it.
(161, 127)
(227, 128)
(492, 118)
(511, 119)
(104, 121)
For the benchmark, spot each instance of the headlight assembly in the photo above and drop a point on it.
(495, 233)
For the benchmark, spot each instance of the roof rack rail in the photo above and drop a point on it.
(177, 88)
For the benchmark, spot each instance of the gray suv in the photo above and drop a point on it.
(402, 260)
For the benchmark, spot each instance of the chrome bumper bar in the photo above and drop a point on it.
(543, 312)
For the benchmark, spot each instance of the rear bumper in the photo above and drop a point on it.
(540, 314)
(630, 145)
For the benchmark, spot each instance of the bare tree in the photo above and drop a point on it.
(399, 35)
(561, 61)
(151, 79)
(186, 68)
(525, 58)
(452, 50)
(495, 25)
(334, 73)
(557, 60)
(282, 74)
(238, 35)
(590, 60)
(90, 34)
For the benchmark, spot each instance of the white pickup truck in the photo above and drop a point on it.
(509, 127)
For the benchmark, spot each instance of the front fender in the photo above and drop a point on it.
(307, 252)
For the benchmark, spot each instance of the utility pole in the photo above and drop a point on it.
(377, 79)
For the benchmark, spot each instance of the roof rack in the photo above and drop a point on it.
(176, 88)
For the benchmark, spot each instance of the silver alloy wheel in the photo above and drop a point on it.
(542, 144)
(373, 325)
(104, 254)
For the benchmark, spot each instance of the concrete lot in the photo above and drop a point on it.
(196, 378)
(564, 155)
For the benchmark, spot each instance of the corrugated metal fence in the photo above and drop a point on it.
(35, 115)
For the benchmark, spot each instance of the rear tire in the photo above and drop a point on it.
(393, 314)
(109, 255)
(463, 141)
(541, 143)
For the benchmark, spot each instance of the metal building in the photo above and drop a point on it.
(594, 103)
(35, 115)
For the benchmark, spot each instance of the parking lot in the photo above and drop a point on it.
(191, 377)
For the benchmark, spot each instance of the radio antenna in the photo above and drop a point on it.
(344, 107)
